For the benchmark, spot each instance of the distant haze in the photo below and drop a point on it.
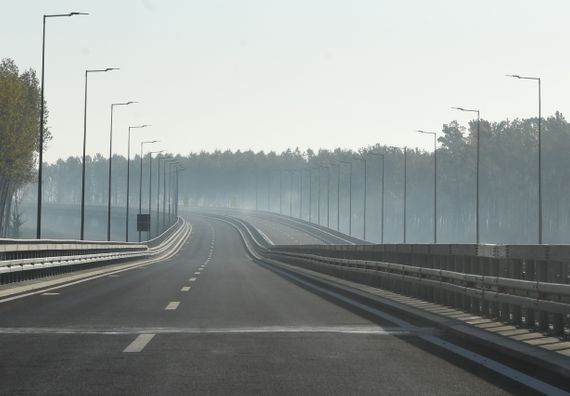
(268, 75)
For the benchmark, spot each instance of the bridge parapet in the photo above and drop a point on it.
(29, 259)
(527, 285)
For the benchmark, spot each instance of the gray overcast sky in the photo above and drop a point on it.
(267, 75)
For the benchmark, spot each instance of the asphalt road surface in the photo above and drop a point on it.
(212, 321)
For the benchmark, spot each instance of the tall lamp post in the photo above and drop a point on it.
(290, 172)
(177, 183)
(382, 199)
(110, 159)
(364, 162)
(171, 193)
(477, 202)
(318, 169)
(82, 233)
(41, 134)
(405, 192)
(310, 170)
(434, 134)
(158, 227)
(150, 187)
(141, 178)
(349, 197)
(166, 198)
(337, 197)
(537, 79)
(328, 194)
(129, 177)
(301, 172)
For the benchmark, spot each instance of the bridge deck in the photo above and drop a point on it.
(210, 320)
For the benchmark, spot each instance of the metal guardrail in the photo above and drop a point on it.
(526, 285)
(29, 259)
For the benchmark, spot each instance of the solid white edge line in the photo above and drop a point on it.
(77, 279)
(139, 343)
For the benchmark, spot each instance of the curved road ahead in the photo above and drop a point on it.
(212, 321)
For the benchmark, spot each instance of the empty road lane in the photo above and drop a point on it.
(211, 321)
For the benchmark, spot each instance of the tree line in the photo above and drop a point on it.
(309, 184)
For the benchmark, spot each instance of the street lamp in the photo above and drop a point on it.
(129, 176)
(141, 179)
(166, 198)
(337, 197)
(405, 191)
(537, 79)
(170, 188)
(158, 227)
(382, 199)
(41, 140)
(176, 184)
(328, 194)
(349, 198)
(477, 239)
(150, 187)
(365, 193)
(310, 170)
(110, 158)
(82, 233)
(290, 172)
(318, 169)
(301, 174)
(434, 181)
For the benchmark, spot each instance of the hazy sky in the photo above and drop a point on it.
(267, 75)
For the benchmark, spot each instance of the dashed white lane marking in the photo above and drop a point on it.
(185, 289)
(192, 279)
(172, 306)
(50, 294)
(139, 343)
(197, 273)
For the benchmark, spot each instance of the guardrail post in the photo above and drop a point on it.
(555, 274)
(515, 272)
(503, 271)
(541, 276)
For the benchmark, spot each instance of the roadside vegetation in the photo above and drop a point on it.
(509, 171)
(19, 123)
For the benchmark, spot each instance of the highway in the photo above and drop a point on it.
(210, 320)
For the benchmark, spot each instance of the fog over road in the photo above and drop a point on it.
(211, 320)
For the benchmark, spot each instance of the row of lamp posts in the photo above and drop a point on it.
(173, 170)
(434, 134)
